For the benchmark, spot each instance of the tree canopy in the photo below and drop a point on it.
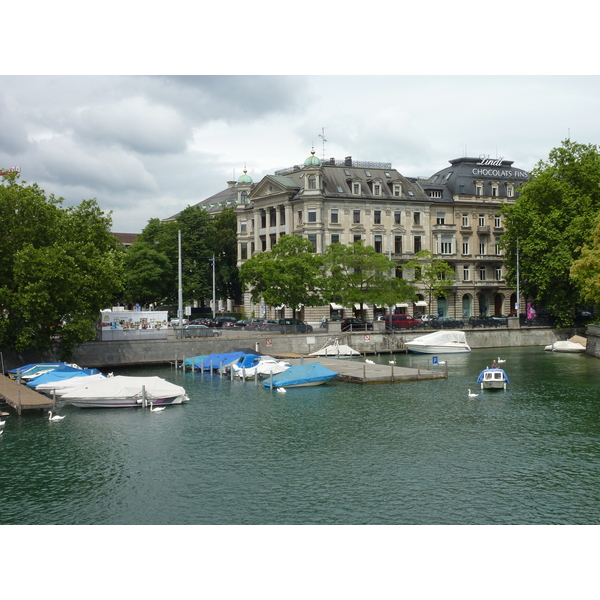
(550, 221)
(357, 274)
(585, 271)
(58, 268)
(288, 274)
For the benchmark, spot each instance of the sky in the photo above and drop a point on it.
(155, 111)
(147, 146)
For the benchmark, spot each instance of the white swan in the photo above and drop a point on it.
(500, 360)
(1, 430)
(281, 390)
(2, 423)
(392, 362)
(472, 395)
(370, 362)
(54, 418)
(157, 409)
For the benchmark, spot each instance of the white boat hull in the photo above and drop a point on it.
(443, 349)
(122, 402)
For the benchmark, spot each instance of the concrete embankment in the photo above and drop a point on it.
(155, 351)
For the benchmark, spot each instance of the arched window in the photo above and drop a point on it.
(312, 182)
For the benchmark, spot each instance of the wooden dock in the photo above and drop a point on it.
(21, 397)
(354, 371)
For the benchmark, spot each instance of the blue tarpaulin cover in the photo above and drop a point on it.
(60, 374)
(219, 359)
(481, 375)
(301, 374)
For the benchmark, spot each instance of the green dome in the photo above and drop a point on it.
(312, 160)
(245, 178)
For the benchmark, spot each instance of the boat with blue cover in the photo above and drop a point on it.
(305, 375)
(494, 378)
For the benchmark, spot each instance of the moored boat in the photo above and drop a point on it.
(440, 342)
(263, 366)
(123, 391)
(306, 375)
(336, 350)
(493, 379)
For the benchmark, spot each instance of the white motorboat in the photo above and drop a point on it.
(122, 391)
(336, 350)
(493, 379)
(263, 366)
(63, 386)
(440, 342)
(565, 346)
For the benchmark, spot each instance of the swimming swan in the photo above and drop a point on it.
(500, 360)
(281, 390)
(370, 362)
(157, 409)
(54, 418)
(472, 395)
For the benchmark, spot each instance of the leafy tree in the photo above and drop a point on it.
(435, 275)
(58, 268)
(357, 274)
(288, 274)
(549, 222)
(586, 270)
(148, 273)
(227, 274)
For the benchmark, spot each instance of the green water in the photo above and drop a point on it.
(402, 453)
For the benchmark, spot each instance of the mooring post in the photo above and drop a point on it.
(144, 403)
(419, 372)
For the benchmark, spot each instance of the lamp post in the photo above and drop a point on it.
(518, 291)
(212, 260)
(180, 294)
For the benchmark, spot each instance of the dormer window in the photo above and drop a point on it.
(510, 189)
(368, 173)
(376, 189)
(494, 187)
(312, 182)
(356, 189)
(397, 190)
(479, 187)
(435, 193)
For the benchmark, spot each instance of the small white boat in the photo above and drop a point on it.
(122, 391)
(440, 342)
(263, 366)
(491, 379)
(565, 346)
(336, 350)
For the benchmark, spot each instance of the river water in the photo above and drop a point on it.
(402, 453)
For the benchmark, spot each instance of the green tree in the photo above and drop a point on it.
(224, 246)
(148, 272)
(435, 275)
(549, 222)
(287, 275)
(58, 268)
(585, 271)
(357, 274)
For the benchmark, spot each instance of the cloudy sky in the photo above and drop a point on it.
(149, 145)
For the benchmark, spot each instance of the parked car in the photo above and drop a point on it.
(225, 321)
(294, 326)
(188, 331)
(355, 324)
(401, 322)
(446, 323)
(241, 324)
(268, 325)
(175, 322)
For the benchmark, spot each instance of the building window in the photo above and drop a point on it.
(482, 273)
(335, 238)
(397, 190)
(312, 182)
(376, 189)
(466, 274)
(357, 238)
(356, 216)
(417, 244)
(312, 215)
(498, 249)
(461, 189)
(465, 220)
(446, 245)
(272, 218)
(378, 244)
(399, 273)
(377, 217)
(441, 218)
(312, 238)
(299, 217)
(244, 251)
(498, 273)
(397, 217)
(417, 218)
(243, 226)
(481, 220)
(494, 188)
(482, 247)
(244, 197)
(334, 215)
(356, 189)
(510, 189)
(435, 193)
(398, 244)
(479, 188)
(497, 222)
(465, 246)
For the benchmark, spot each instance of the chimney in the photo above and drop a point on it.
(348, 161)
(230, 184)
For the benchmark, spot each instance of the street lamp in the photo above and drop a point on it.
(518, 291)
(212, 260)
(180, 294)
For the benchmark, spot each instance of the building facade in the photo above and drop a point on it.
(455, 214)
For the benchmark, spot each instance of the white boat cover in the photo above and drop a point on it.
(122, 386)
(564, 346)
(264, 368)
(336, 350)
(440, 338)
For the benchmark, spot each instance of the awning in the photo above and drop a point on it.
(336, 306)
(401, 305)
(421, 303)
(358, 305)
